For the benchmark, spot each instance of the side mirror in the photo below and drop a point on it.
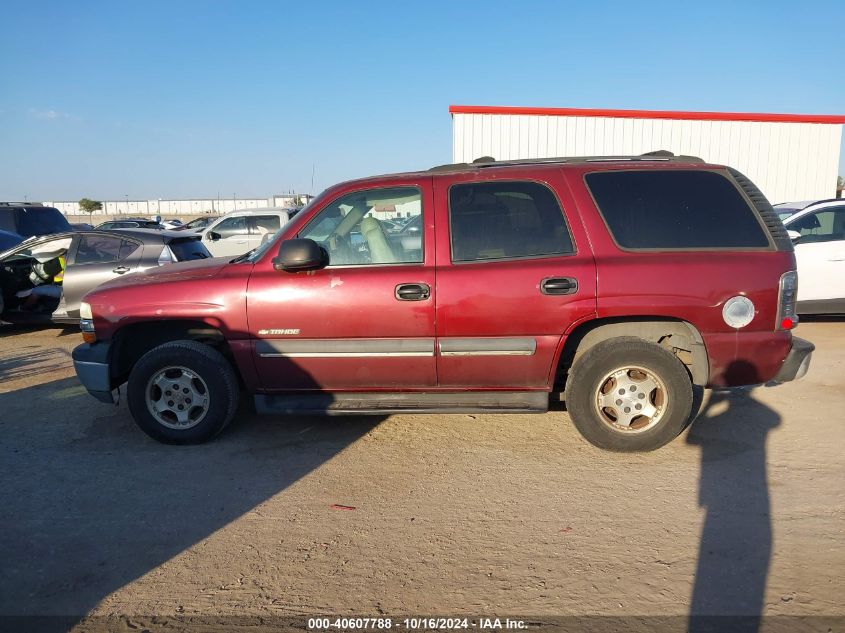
(213, 236)
(793, 235)
(300, 254)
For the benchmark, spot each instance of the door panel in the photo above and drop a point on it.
(341, 329)
(365, 322)
(96, 259)
(502, 309)
(821, 270)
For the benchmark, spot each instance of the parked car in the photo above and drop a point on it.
(81, 226)
(43, 279)
(129, 223)
(28, 219)
(612, 282)
(818, 233)
(172, 224)
(240, 231)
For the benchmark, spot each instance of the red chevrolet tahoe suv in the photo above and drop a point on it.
(621, 283)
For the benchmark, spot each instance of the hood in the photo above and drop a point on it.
(179, 271)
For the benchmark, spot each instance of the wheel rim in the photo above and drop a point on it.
(631, 399)
(177, 397)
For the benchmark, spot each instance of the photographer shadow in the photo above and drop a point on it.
(736, 539)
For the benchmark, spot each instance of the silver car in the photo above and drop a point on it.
(43, 279)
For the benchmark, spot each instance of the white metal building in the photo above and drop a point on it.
(177, 208)
(789, 156)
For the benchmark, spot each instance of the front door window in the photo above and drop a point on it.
(359, 228)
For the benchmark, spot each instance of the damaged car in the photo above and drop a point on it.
(43, 279)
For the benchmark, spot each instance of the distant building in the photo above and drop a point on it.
(176, 208)
(789, 156)
(291, 200)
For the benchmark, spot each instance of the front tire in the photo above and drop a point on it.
(628, 394)
(182, 392)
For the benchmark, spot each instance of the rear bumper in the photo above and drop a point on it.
(91, 363)
(797, 361)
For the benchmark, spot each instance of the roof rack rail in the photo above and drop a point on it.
(21, 204)
(487, 161)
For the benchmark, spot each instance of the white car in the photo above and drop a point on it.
(240, 231)
(818, 233)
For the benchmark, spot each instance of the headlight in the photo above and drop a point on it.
(86, 323)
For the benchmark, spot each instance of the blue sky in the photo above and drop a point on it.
(191, 99)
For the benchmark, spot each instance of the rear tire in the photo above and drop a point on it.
(182, 392)
(628, 394)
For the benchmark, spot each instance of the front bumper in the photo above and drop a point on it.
(797, 361)
(91, 363)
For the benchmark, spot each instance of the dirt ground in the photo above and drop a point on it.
(486, 515)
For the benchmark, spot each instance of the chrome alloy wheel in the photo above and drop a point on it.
(177, 397)
(631, 399)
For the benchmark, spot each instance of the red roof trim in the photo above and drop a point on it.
(653, 114)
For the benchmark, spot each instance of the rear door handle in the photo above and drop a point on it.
(121, 269)
(559, 286)
(412, 292)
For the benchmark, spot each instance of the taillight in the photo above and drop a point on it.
(787, 293)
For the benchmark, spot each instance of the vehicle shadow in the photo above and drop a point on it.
(736, 539)
(91, 504)
(30, 361)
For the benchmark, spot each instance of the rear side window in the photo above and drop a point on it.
(675, 210)
(506, 220)
(98, 249)
(127, 248)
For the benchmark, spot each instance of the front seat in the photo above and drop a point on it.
(380, 251)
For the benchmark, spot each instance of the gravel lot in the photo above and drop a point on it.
(487, 515)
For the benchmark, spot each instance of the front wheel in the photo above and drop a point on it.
(182, 392)
(627, 394)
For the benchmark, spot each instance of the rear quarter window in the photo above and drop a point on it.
(675, 210)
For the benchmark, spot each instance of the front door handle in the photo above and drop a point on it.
(412, 292)
(121, 269)
(559, 286)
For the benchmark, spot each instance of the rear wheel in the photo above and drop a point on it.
(182, 392)
(627, 394)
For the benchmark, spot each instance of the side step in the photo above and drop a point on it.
(406, 402)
